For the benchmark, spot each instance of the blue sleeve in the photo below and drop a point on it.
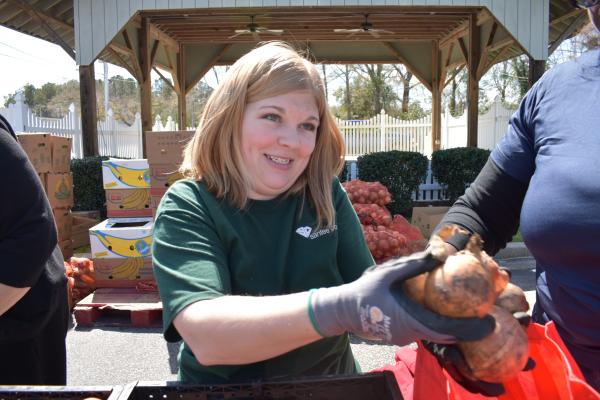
(515, 154)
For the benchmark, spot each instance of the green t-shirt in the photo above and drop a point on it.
(204, 248)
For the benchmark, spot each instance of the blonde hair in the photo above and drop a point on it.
(214, 154)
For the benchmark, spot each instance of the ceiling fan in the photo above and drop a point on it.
(365, 27)
(255, 30)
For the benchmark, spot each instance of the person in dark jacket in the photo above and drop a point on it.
(33, 287)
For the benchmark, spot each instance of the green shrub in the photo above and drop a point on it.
(457, 168)
(88, 189)
(400, 171)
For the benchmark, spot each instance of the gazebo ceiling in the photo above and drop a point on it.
(297, 25)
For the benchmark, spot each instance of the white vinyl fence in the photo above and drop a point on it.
(379, 133)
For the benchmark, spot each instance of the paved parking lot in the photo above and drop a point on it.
(105, 355)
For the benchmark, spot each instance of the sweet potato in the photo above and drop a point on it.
(513, 299)
(466, 285)
(500, 355)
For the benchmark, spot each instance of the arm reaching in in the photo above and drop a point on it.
(241, 330)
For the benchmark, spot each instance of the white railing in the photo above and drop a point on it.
(379, 133)
(383, 132)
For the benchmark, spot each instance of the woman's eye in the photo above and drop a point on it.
(309, 127)
(272, 117)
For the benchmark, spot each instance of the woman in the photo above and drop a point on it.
(259, 222)
(545, 176)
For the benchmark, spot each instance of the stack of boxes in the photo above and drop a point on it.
(121, 244)
(51, 158)
(165, 154)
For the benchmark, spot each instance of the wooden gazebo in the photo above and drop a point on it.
(187, 38)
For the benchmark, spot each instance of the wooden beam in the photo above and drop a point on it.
(153, 51)
(40, 18)
(181, 88)
(174, 72)
(436, 98)
(567, 16)
(454, 73)
(536, 70)
(463, 49)
(498, 56)
(164, 38)
(473, 82)
(50, 18)
(567, 32)
(146, 83)
(486, 49)
(164, 78)
(202, 72)
(139, 76)
(408, 65)
(122, 62)
(460, 31)
(89, 122)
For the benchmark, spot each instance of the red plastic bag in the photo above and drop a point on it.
(556, 375)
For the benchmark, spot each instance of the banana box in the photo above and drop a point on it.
(162, 176)
(61, 153)
(128, 203)
(122, 238)
(59, 189)
(123, 272)
(125, 174)
(64, 223)
(38, 148)
(166, 147)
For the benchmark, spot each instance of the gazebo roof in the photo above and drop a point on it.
(54, 21)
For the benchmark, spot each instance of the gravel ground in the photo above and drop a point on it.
(106, 355)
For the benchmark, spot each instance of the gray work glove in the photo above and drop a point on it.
(375, 307)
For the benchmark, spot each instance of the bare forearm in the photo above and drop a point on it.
(233, 330)
(9, 296)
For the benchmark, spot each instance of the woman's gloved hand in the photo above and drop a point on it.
(375, 307)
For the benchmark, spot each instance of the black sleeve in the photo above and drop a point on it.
(27, 231)
(490, 207)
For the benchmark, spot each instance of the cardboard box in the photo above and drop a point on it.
(427, 218)
(125, 174)
(64, 223)
(66, 247)
(61, 153)
(166, 147)
(162, 176)
(38, 148)
(92, 214)
(128, 203)
(59, 188)
(122, 238)
(123, 272)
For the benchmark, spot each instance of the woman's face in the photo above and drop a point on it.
(278, 137)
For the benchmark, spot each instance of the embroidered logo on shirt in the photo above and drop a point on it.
(306, 231)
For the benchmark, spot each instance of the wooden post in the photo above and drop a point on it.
(89, 121)
(536, 70)
(473, 82)
(181, 104)
(146, 82)
(436, 98)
